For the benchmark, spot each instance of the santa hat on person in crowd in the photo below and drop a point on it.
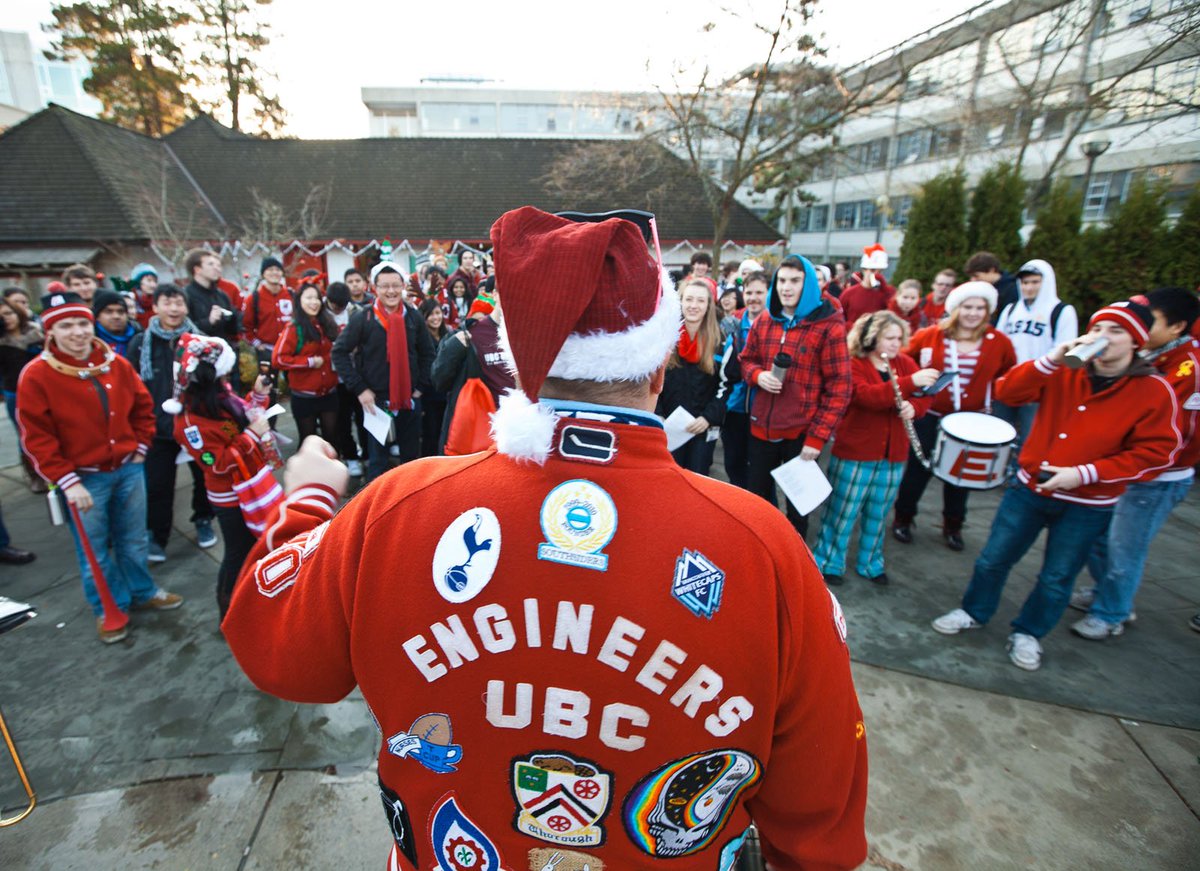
(195, 349)
(1133, 315)
(971, 290)
(58, 305)
(874, 257)
(748, 266)
(582, 301)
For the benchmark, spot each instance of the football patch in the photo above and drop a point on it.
(429, 741)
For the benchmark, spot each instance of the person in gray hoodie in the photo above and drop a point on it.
(1036, 323)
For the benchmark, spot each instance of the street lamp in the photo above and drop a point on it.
(1091, 149)
(883, 211)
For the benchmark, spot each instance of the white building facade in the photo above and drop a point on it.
(29, 81)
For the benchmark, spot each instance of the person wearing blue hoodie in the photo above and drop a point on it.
(794, 415)
(113, 324)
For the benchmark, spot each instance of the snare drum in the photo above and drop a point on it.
(972, 450)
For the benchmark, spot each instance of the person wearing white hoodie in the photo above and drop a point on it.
(1036, 323)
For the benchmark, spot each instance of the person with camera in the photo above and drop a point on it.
(587, 683)
(209, 307)
(796, 360)
(1099, 426)
(87, 421)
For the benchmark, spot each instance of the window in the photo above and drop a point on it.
(868, 213)
(900, 207)
(845, 215)
(945, 140)
(1105, 191)
(912, 146)
(860, 214)
(534, 118)
(458, 117)
(1049, 125)
(813, 219)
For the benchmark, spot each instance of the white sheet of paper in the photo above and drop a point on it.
(803, 482)
(182, 458)
(378, 424)
(676, 427)
(274, 410)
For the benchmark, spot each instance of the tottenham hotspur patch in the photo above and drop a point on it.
(466, 555)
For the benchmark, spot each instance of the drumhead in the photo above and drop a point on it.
(980, 429)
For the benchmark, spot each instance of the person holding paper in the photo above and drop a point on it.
(871, 445)
(699, 373)
(794, 408)
(384, 357)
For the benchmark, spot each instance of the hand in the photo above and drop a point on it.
(367, 400)
(769, 382)
(259, 425)
(215, 314)
(315, 463)
(1064, 478)
(316, 362)
(697, 426)
(417, 394)
(262, 385)
(78, 495)
(808, 452)
(925, 377)
(907, 412)
(868, 278)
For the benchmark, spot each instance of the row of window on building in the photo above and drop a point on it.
(518, 118)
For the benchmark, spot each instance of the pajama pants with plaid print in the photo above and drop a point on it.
(861, 489)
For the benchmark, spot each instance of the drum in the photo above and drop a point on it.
(972, 450)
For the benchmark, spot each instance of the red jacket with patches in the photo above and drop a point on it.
(1128, 432)
(872, 429)
(297, 359)
(996, 356)
(1181, 367)
(556, 705)
(67, 427)
(264, 315)
(221, 448)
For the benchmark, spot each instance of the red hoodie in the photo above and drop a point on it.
(858, 300)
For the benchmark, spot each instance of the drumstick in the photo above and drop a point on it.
(909, 429)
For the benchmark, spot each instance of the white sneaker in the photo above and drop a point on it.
(1082, 598)
(1093, 628)
(354, 467)
(956, 621)
(1025, 651)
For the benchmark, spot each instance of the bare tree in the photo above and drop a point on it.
(173, 215)
(271, 223)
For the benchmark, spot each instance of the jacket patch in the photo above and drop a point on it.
(466, 555)
(839, 616)
(729, 853)
(1192, 403)
(561, 799)
(578, 519)
(698, 583)
(207, 458)
(398, 821)
(680, 808)
(543, 859)
(429, 741)
(458, 843)
(587, 444)
(192, 434)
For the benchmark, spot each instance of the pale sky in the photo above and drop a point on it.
(324, 53)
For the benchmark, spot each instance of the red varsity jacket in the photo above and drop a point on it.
(71, 424)
(217, 446)
(872, 429)
(303, 377)
(1181, 367)
(550, 679)
(996, 356)
(1126, 433)
(264, 321)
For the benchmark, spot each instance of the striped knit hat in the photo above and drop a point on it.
(60, 306)
(1132, 315)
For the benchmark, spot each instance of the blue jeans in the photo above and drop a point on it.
(1021, 417)
(116, 521)
(1117, 559)
(5, 540)
(1022, 514)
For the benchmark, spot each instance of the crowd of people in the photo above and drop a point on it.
(774, 365)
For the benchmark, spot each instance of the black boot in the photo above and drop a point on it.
(952, 532)
(902, 529)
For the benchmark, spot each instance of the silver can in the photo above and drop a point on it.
(1079, 356)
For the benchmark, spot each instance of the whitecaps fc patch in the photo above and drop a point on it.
(698, 583)
(466, 555)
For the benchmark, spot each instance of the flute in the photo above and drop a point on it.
(909, 429)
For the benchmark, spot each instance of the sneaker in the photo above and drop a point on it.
(156, 553)
(111, 636)
(160, 601)
(205, 536)
(902, 532)
(955, 622)
(1094, 629)
(1082, 598)
(834, 580)
(881, 579)
(954, 539)
(1025, 651)
(355, 468)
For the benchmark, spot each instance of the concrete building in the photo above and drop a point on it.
(1047, 82)
(29, 81)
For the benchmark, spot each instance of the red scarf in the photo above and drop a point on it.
(399, 378)
(689, 348)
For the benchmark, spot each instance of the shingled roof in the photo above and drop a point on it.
(64, 176)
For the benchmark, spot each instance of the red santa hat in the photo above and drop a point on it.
(1132, 315)
(874, 257)
(195, 349)
(582, 301)
(61, 305)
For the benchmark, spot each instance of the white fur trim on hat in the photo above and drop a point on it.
(748, 266)
(522, 429)
(386, 264)
(625, 356)
(971, 290)
(874, 257)
(227, 360)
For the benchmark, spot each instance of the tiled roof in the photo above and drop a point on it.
(65, 176)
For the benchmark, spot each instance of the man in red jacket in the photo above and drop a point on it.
(86, 422)
(267, 310)
(796, 414)
(1097, 428)
(868, 291)
(556, 687)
